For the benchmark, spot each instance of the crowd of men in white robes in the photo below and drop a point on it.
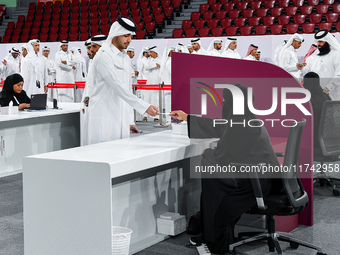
(111, 72)
(39, 70)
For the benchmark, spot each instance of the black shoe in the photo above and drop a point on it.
(196, 240)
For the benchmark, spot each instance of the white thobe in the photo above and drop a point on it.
(167, 93)
(231, 54)
(64, 74)
(200, 52)
(50, 75)
(328, 68)
(33, 70)
(80, 75)
(133, 74)
(12, 66)
(139, 93)
(215, 52)
(152, 96)
(289, 60)
(111, 100)
(250, 57)
(141, 65)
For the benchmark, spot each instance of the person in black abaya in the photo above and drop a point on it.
(13, 92)
(224, 200)
(311, 81)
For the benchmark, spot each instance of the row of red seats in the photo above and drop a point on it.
(306, 9)
(254, 21)
(281, 3)
(57, 4)
(256, 30)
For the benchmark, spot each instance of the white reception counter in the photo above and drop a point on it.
(29, 133)
(73, 197)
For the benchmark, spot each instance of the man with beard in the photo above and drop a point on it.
(327, 63)
(251, 52)
(197, 47)
(258, 55)
(215, 47)
(49, 69)
(230, 49)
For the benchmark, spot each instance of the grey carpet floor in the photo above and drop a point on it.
(324, 232)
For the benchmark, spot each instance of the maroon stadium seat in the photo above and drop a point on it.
(337, 25)
(190, 32)
(168, 11)
(199, 23)
(217, 31)
(255, 4)
(159, 19)
(204, 31)
(229, 6)
(195, 16)
(242, 5)
(291, 10)
(245, 30)
(204, 8)
(336, 8)
(157, 11)
(208, 15)
(226, 22)
(221, 15)
(298, 3)
(239, 22)
(284, 19)
(292, 28)
(186, 24)
(283, 3)
(234, 14)
(165, 3)
(268, 21)
(306, 9)
(262, 12)
(140, 34)
(177, 33)
(299, 18)
(254, 21)
(276, 11)
(315, 17)
(269, 3)
(231, 30)
(43, 37)
(325, 25)
(313, 2)
(212, 23)
(260, 30)
(276, 29)
(147, 18)
(248, 13)
(308, 27)
(74, 37)
(328, 1)
(332, 17)
(136, 18)
(322, 8)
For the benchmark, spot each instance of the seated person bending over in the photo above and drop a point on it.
(12, 91)
(224, 200)
(311, 81)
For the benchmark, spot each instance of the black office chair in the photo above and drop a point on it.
(329, 137)
(290, 201)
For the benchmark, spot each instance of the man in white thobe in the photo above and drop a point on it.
(153, 66)
(142, 63)
(33, 70)
(252, 50)
(134, 73)
(11, 63)
(327, 63)
(92, 49)
(197, 47)
(50, 70)
(288, 59)
(111, 100)
(277, 52)
(166, 78)
(134, 76)
(65, 64)
(215, 48)
(80, 71)
(230, 49)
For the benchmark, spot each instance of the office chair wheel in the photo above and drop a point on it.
(293, 245)
(336, 192)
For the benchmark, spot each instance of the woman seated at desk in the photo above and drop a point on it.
(224, 200)
(13, 92)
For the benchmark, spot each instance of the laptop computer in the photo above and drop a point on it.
(38, 102)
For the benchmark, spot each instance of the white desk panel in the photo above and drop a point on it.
(73, 197)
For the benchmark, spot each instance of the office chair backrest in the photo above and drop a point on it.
(329, 129)
(291, 181)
